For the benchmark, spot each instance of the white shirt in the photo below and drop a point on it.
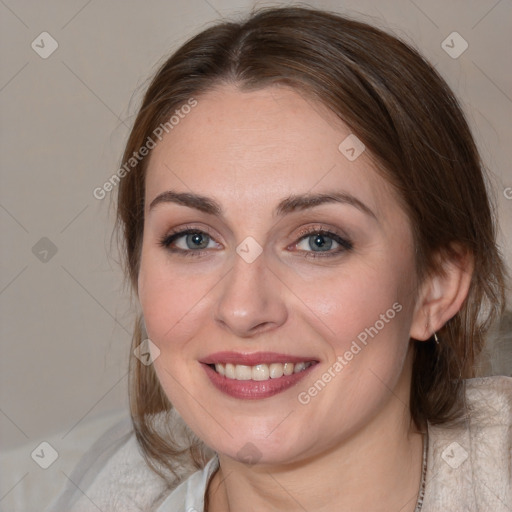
(189, 495)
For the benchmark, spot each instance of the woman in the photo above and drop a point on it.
(307, 229)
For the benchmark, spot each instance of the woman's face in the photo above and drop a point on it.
(276, 252)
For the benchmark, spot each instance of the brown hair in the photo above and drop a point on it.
(416, 133)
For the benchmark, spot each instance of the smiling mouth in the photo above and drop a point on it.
(259, 372)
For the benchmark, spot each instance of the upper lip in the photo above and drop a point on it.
(252, 359)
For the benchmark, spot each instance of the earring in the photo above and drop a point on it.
(436, 339)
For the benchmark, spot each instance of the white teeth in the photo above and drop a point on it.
(243, 372)
(299, 367)
(260, 371)
(288, 368)
(230, 371)
(276, 370)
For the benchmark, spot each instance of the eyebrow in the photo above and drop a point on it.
(287, 205)
(201, 203)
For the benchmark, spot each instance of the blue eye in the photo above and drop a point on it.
(190, 240)
(314, 243)
(196, 241)
(320, 242)
(323, 242)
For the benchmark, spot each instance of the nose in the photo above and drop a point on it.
(252, 299)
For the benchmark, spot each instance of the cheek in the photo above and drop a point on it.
(173, 308)
(171, 299)
(365, 320)
(363, 317)
(348, 302)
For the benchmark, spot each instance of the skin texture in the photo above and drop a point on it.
(352, 447)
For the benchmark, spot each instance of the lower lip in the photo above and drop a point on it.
(254, 389)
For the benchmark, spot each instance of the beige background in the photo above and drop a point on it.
(66, 321)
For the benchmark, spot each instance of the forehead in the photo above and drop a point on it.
(247, 146)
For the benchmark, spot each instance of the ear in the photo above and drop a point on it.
(442, 293)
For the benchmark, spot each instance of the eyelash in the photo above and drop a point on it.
(344, 243)
(168, 239)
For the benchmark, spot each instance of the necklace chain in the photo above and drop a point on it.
(421, 492)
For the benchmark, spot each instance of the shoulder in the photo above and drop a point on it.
(469, 465)
(113, 476)
(491, 394)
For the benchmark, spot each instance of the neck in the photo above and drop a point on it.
(378, 471)
(378, 467)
